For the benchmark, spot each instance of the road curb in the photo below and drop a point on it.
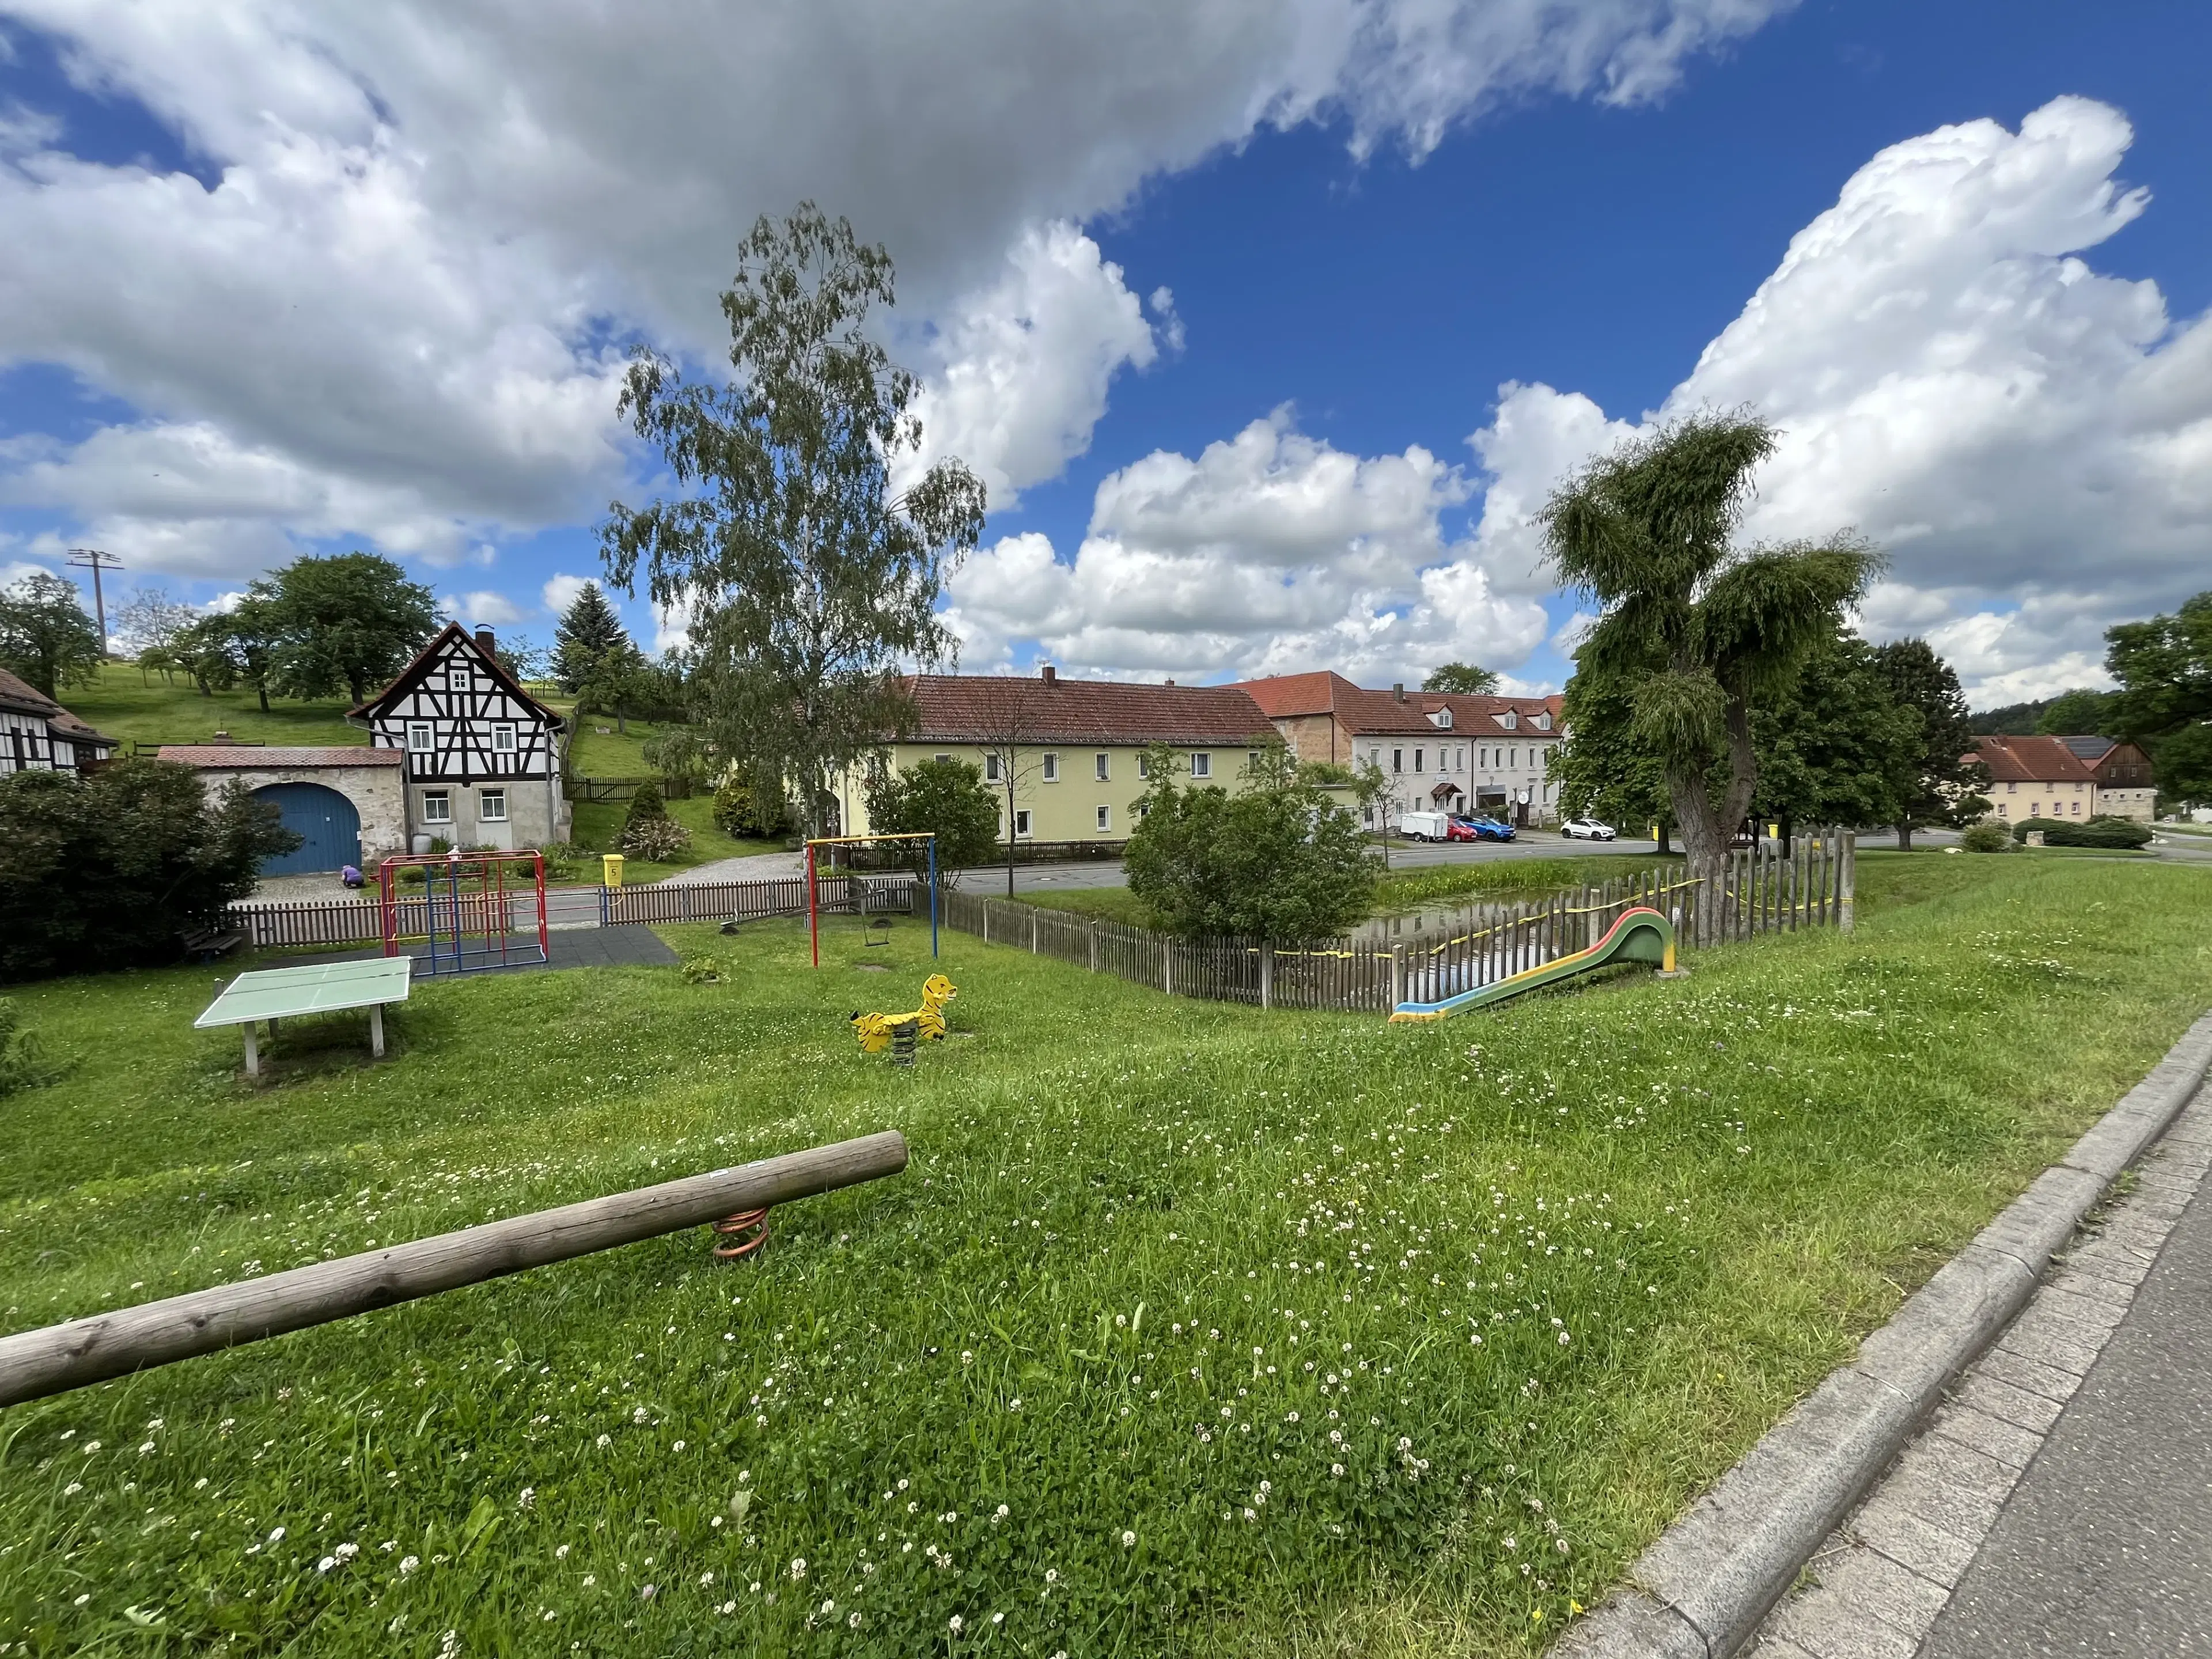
(1703, 1588)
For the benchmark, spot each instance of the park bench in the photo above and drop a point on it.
(205, 944)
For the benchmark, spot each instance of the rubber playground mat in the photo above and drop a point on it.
(582, 947)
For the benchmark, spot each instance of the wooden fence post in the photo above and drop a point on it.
(1848, 884)
(1397, 976)
(1267, 975)
(1167, 967)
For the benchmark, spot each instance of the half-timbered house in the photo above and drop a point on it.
(482, 756)
(36, 734)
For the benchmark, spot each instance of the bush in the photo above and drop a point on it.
(2105, 830)
(744, 809)
(1986, 838)
(1281, 862)
(2022, 829)
(655, 839)
(644, 805)
(108, 870)
(945, 797)
(700, 970)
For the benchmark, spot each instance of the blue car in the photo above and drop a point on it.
(1486, 829)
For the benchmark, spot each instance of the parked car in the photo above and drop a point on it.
(1459, 829)
(1424, 826)
(1483, 828)
(1587, 829)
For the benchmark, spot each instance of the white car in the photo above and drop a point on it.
(1587, 829)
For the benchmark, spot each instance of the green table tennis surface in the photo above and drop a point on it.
(320, 988)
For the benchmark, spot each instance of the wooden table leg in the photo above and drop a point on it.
(252, 1055)
(376, 1030)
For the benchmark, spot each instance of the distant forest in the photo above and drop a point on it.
(2077, 713)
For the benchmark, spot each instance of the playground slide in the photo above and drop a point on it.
(1640, 935)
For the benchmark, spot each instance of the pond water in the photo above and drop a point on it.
(1442, 915)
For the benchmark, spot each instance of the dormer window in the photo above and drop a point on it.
(1544, 720)
(1509, 719)
(1442, 719)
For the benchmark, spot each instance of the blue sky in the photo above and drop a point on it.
(273, 306)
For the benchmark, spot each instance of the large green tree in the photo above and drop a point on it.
(808, 579)
(1279, 861)
(1695, 629)
(2165, 701)
(347, 622)
(588, 630)
(107, 871)
(1462, 677)
(2073, 713)
(45, 638)
(1948, 781)
(1602, 769)
(1839, 747)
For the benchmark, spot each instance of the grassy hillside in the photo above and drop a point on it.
(1190, 1329)
(123, 704)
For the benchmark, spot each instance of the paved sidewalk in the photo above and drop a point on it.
(2060, 1502)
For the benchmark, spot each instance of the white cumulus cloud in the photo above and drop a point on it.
(560, 591)
(391, 285)
(2029, 439)
(490, 609)
(1270, 552)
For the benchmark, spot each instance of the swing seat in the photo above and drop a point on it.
(879, 931)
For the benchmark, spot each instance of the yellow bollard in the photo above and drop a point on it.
(611, 865)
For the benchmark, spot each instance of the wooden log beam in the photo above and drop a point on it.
(58, 1357)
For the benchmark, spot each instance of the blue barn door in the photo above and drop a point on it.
(327, 823)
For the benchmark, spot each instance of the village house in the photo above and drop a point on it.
(1440, 751)
(1073, 749)
(459, 752)
(2075, 779)
(36, 734)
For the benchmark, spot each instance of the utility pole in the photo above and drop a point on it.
(92, 559)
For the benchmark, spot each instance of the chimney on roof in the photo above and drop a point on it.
(1171, 681)
(483, 642)
(1051, 674)
(1399, 692)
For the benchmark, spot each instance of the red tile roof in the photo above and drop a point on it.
(1479, 714)
(231, 757)
(995, 708)
(26, 699)
(1363, 712)
(2031, 760)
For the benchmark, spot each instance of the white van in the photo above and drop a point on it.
(1424, 826)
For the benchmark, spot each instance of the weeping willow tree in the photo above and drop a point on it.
(806, 580)
(1694, 630)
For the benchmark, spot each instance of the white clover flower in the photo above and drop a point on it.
(1052, 1575)
(528, 1498)
(798, 1567)
(73, 1488)
(1336, 1471)
(679, 1445)
(346, 1552)
(606, 1440)
(276, 1535)
(408, 1563)
(1512, 1543)
(998, 1618)
(647, 1593)
(1129, 1541)
(956, 1624)
(326, 1563)
(852, 1619)
(1001, 1514)
(706, 1577)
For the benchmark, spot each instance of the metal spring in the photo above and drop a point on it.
(736, 1229)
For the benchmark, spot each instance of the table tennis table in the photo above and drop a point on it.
(323, 987)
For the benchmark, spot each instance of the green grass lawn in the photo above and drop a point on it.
(1191, 1329)
(123, 704)
(610, 754)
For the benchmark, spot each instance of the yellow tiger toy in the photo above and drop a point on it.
(874, 1031)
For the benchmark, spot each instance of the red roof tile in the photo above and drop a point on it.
(994, 707)
(230, 757)
(2031, 760)
(26, 698)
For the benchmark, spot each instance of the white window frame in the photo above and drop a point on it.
(437, 806)
(1143, 764)
(1103, 763)
(1397, 759)
(1420, 755)
(1444, 719)
(1201, 764)
(1051, 768)
(503, 739)
(1105, 820)
(485, 801)
(1022, 822)
(1510, 720)
(459, 679)
(990, 766)
(427, 731)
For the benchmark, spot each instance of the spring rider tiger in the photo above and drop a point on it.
(875, 1030)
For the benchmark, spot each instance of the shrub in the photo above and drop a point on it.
(700, 970)
(744, 808)
(2109, 833)
(108, 870)
(946, 798)
(655, 839)
(2021, 831)
(1986, 838)
(1281, 862)
(644, 805)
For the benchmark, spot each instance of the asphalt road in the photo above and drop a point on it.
(2104, 1547)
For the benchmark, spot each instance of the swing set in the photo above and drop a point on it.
(474, 912)
(814, 890)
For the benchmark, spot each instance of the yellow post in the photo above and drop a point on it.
(611, 865)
